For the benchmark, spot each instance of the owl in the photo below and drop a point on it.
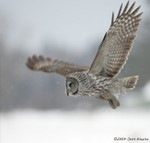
(100, 79)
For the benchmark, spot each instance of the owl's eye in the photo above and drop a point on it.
(71, 84)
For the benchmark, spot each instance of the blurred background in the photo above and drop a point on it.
(33, 105)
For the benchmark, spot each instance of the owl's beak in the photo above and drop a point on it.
(67, 93)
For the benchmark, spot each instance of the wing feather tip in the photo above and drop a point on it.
(125, 8)
(120, 10)
(112, 19)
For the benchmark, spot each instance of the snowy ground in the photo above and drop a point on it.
(74, 126)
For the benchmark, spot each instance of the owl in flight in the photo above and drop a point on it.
(100, 79)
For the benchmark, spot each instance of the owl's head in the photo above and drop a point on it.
(72, 86)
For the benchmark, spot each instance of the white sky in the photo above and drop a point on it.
(70, 23)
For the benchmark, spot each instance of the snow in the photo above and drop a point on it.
(73, 126)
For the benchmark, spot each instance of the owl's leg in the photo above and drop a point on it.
(113, 102)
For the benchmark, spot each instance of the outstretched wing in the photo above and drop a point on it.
(116, 45)
(39, 63)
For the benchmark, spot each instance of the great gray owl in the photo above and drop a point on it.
(99, 80)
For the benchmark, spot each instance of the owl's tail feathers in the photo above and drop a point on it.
(130, 82)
